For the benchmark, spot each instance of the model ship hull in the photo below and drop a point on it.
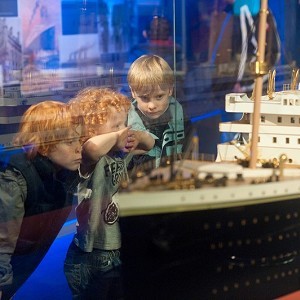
(212, 243)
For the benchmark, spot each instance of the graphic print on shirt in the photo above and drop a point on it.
(115, 171)
(111, 213)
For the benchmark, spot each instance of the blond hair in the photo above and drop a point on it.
(94, 105)
(43, 126)
(148, 72)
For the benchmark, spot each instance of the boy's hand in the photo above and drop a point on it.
(122, 137)
(139, 142)
(132, 142)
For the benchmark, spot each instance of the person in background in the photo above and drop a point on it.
(92, 265)
(36, 190)
(159, 41)
(151, 81)
(103, 24)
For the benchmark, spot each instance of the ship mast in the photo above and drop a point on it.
(259, 70)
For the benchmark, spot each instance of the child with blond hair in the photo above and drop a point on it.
(151, 81)
(36, 190)
(92, 264)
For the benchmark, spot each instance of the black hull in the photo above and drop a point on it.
(246, 252)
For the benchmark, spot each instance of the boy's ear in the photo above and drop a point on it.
(171, 91)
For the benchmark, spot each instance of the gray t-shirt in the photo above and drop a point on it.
(98, 210)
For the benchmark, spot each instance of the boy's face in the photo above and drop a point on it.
(66, 154)
(115, 122)
(155, 104)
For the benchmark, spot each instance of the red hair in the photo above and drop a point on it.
(43, 126)
(93, 105)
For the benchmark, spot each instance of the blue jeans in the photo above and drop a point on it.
(93, 275)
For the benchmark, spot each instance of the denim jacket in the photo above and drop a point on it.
(173, 135)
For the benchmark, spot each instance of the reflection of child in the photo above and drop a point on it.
(92, 265)
(151, 81)
(36, 190)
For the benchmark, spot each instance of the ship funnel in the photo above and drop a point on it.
(271, 84)
(294, 81)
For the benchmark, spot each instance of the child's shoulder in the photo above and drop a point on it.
(173, 100)
(11, 181)
(134, 120)
(174, 103)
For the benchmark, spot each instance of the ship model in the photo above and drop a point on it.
(40, 85)
(225, 229)
(279, 124)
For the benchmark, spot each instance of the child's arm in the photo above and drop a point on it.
(98, 146)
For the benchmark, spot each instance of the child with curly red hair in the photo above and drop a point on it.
(92, 264)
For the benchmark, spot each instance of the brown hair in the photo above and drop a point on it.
(94, 105)
(44, 125)
(149, 71)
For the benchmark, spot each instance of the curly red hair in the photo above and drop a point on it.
(93, 105)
